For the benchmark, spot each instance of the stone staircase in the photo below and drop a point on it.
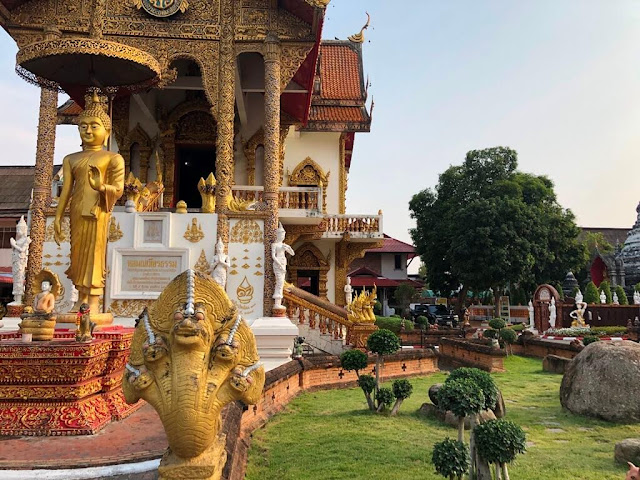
(326, 327)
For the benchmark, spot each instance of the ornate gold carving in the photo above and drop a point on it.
(161, 9)
(128, 308)
(190, 356)
(196, 127)
(246, 231)
(309, 257)
(141, 138)
(194, 231)
(359, 37)
(132, 188)
(203, 265)
(318, 3)
(291, 59)
(42, 187)
(361, 308)
(207, 189)
(244, 292)
(347, 252)
(256, 140)
(115, 233)
(342, 177)
(65, 230)
(308, 173)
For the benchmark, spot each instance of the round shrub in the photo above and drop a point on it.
(590, 339)
(490, 333)
(394, 324)
(395, 315)
(422, 321)
(384, 396)
(497, 323)
(383, 342)
(450, 458)
(591, 294)
(575, 291)
(462, 396)
(518, 327)
(482, 379)
(367, 383)
(508, 335)
(402, 389)
(353, 360)
(499, 441)
(622, 297)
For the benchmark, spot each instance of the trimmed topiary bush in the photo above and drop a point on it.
(377, 308)
(591, 293)
(590, 339)
(605, 287)
(368, 384)
(382, 342)
(384, 397)
(482, 379)
(622, 297)
(450, 458)
(490, 333)
(509, 337)
(354, 360)
(402, 389)
(463, 397)
(499, 442)
(422, 322)
(497, 323)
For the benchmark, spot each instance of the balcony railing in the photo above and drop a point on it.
(294, 198)
(362, 225)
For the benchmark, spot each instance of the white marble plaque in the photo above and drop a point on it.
(245, 282)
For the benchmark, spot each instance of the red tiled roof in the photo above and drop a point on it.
(391, 245)
(323, 113)
(340, 72)
(371, 281)
(70, 108)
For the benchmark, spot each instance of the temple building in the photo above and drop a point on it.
(250, 122)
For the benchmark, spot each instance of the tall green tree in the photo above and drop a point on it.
(486, 225)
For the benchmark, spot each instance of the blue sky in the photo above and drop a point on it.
(557, 80)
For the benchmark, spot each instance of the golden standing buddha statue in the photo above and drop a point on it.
(93, 182)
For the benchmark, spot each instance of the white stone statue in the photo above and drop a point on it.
(348, 292)
(531, 319)
(279, 249)
(552, 313)
(20, 252)
(636, 297)
(579, 297)
(220, 265)
(616, 300)
(74, 294)
(603, 297)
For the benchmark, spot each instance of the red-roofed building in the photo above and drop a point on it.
(385, 267)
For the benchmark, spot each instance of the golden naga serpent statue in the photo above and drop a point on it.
(191, 355)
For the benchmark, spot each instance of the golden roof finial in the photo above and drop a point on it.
(359, 37)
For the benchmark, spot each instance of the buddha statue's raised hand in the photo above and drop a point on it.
(95, 179)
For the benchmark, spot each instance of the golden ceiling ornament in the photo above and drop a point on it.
(86, 62)
(115, 233)
(161, 8)
(194, 231)
(246, 231)
(359, 37)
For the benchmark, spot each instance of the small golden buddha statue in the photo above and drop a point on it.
(93, 182)
(40, 320)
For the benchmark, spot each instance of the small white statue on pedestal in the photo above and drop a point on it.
(636, 297)
(73, 295)
(603, 297)
(20, 248)
(220, 265)
(348, 292)
(616, 300)
(531, 319)
(552, 313)
(279, 249)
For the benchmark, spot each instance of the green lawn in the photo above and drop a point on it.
(330, 435)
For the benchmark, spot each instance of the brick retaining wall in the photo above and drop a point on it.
(468, 353)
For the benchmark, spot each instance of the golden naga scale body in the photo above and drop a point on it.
(360, 310)
(93, 182)
(191, 355)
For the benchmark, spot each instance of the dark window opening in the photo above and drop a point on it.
(398, 262)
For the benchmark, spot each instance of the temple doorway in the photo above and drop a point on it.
(309, 281)
(193, 162)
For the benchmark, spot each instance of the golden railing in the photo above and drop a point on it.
(295, 198)
(367, 224)
(305, 308)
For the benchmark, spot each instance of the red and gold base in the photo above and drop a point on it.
(14, 310)
(62, 387)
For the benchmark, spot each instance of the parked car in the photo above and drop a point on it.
(436, 314)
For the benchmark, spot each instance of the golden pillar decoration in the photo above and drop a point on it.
(225, 115)
(191, 355)
(271, 154)
(43, 177)
(342, 177)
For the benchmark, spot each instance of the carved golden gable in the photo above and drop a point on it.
(308, 173)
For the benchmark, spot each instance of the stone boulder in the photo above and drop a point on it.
(433, 393)
(628, 450)
(602, 381)
(449, 418)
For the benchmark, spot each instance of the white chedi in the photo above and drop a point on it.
(220, 265)
(19, 256)
(279, 249)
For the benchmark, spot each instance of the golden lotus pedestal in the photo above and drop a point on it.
(100, 319)
(63, 387)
